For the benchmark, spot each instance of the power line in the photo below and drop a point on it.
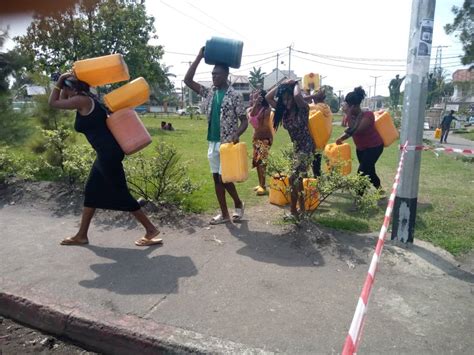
(347, 67)
(190, 17)
(216, 20)
(353, 58)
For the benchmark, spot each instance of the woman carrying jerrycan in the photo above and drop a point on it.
(106, 187)
(292, 109)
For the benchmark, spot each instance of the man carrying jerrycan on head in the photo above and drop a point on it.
(224, 108)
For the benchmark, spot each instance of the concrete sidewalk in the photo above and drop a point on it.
(250, 288)
(454, 141)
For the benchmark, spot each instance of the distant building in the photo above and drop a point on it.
(463, 82)
(240, 83)
(276, 77)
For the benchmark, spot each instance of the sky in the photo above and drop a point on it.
(353, 40)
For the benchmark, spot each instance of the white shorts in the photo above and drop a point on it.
(214, 157)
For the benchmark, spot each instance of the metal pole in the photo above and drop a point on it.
(375, 89)
(278, 58)
(414, 101)
(289, 61)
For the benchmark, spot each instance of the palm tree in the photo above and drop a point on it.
(256, 77)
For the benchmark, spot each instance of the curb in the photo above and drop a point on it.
(111, 333)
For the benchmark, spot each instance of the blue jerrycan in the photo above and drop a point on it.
(226, 51)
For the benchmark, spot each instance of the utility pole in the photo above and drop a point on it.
(190, 94)
(339, 97)
(414, 101)
(289, 61)
(438, 69)
(375, 89)
(321, 80)
(278, 58)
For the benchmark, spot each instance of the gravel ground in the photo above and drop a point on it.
(18, 339)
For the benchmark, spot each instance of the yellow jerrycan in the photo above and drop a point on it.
(311, 194)
(320, 126)
(437, 133)
(104, 70)
(279, 190)
(385, 128)
(128, 130)
(131, 94)
(234, 162)
(311, 78)
(339, 156)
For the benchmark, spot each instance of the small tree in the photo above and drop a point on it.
(256, 77)
(463, 27)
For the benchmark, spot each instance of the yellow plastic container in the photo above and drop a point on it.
(385, 127)
(437, 133)
(128, 130)
(311, 78)
(320, 127)
(131, 94)
(234, 162)
(101, 70)
(279, 190)
(311, 194)
(339, 156)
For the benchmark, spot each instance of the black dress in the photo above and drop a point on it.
(106, 186)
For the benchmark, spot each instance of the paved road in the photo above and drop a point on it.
(252, 285)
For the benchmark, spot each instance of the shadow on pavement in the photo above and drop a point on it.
(282, 249)
(133, 272)
(442, 264)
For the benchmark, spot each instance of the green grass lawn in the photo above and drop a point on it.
(467, 135)
(446, 194)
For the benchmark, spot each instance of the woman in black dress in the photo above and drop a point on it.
(106, 187)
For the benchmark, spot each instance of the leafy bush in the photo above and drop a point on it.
(13, 125)
(77, 163)
(14, 166)
(330, 181)
(161, 178)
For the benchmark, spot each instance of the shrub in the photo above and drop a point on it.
(14, 166)
(161, 178)
(330, 181)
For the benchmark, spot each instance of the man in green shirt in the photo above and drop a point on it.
(224, 108)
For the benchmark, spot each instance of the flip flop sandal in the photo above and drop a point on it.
(218, 220)
(71, 241)
(144, 242)
(239, 213)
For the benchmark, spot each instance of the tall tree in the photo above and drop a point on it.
(463, 25)
(256, 77)
(95, 28)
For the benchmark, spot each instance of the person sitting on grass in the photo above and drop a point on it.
(260, 116)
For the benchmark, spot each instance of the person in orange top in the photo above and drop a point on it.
(260, 117)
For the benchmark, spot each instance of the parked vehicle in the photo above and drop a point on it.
(195, 110)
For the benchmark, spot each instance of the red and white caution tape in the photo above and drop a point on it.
(355, 331)
(439, 149)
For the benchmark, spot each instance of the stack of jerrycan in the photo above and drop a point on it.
(385, 127)
(124, 123)
(311, 78)
(320, 124)
(279, 190)
(339, 157)
(311, 194)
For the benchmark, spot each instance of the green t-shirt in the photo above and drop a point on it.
(214, 128)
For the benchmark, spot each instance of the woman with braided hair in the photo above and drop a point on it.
(106, 186)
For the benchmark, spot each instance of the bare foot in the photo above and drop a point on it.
(76, 240)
